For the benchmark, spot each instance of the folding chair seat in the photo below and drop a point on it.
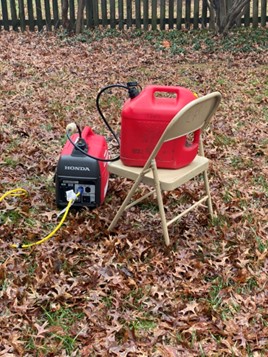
(193, 116)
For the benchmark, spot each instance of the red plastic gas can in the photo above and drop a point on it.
(143, 120)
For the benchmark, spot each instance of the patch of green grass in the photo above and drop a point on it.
(142, 324)
(244, 40)
(238, 162)
(135, 295)
(4, 285)
(215, 299)
(227, 196)
(64, 318)
(224, 140)
(251, 284)
(11, 162)
(12, 217)
(149, 205)
(47, 127)
(250, 218)
(67, 342)
(221, 81)
(262, 182)
(37, 347)
(32, 268)
(261, 244)
(177, 49)
(108, 301)
(180, 199)
(248, 287)
(243, 203)
(30, 344)
(220, 221)
(193, 338)
(63, 140)
(238, 40)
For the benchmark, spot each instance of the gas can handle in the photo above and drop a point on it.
(165, 89)
(168, 89)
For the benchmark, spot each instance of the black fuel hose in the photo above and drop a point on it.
(131, 87)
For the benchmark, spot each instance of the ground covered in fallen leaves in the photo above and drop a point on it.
(88, 292)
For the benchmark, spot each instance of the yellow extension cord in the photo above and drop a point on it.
(21, 192)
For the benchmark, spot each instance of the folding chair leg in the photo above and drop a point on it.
(163, 216)
(209, 201)
(160, 205)
(124, 204)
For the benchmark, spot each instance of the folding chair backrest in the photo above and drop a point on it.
(195, 115)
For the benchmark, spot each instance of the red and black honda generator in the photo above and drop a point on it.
(82, 167)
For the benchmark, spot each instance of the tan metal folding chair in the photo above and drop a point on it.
(193, 116)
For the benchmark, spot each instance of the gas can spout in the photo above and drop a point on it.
(133, 91)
